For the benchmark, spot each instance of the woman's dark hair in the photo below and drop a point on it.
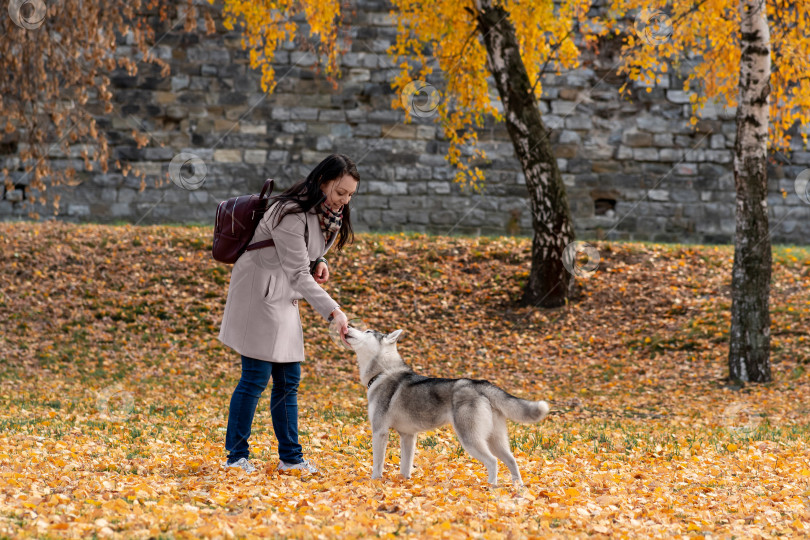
(307, 193)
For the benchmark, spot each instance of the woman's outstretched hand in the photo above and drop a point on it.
(321, 273)
(341, 323)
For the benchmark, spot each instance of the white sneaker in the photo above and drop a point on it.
(304, 466)
(241, 463)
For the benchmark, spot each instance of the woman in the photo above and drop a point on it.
(261, 320)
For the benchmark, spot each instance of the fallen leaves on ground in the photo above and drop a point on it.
(114, 394)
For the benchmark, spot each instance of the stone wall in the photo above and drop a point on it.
(634, 168)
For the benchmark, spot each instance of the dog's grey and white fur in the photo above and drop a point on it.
(409, 403)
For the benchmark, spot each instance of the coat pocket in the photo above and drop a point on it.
(270, 288)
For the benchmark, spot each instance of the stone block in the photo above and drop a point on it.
(180, 82)
(567, 151)
(635, 138)
(663, 140)
(606, 167)
(280, 113)
(294, 127)
(78, 210)
(399, 131)
(438, 188)
(678, 96)
(686, 169)
(278, 156)
(562, 107)
(426, 132)
(569, 137)
(201, 55)
(252, 129)
(374, 201)
(444, 217)
(653, 124)
(332, 116)
(624, 152)
(670, 154)
(684, 195)
(717, 141)
(645, 154)
(389, 217)
(120, 209)
(579, 122)
(719, 156)
(421, 218)
(227, 155)
(255, 156)
(386, 188)
(14, 195)
(695, 154)
(198, 196)
(303, 59)
(368, 130)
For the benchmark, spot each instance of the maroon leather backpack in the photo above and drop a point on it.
(236, 221)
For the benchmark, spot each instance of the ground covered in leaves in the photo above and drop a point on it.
(114, 394)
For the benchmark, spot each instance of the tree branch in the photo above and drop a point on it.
(553, 50)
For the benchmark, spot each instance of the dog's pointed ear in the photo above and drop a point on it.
(393, 336)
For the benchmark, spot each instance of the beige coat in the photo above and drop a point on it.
(261, 318)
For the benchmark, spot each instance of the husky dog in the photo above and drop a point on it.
(400, 399)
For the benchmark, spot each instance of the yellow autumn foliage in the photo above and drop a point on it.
(704, 47)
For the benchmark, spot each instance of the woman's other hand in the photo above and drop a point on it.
(321, 273)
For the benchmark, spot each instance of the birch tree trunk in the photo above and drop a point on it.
(548, 284)
(750, 337)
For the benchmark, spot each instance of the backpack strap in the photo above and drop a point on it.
(259, 245)
(270, 242)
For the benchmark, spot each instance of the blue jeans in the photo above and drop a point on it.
(283, 408)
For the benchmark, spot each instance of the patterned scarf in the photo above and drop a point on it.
(330, 220)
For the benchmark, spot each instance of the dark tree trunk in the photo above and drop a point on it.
(549, 281)
(750, 336)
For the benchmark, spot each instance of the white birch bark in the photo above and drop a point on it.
(749, 338)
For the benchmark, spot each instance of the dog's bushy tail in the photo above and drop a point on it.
(515, 408)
